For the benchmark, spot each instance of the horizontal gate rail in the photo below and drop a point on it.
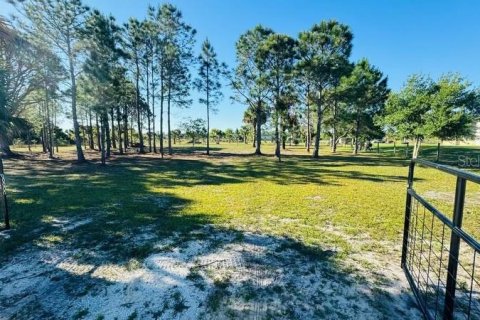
(439, 258)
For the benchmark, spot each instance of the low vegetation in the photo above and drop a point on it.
(343, 212)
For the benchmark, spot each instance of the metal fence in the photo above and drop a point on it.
(3, 198)
(440, 259)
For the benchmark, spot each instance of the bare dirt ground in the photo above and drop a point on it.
(209, 274)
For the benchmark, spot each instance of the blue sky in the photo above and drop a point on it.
(400, 37)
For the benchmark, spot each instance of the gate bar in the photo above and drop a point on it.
(454, 249)
(455, 226)
(4, 195)
(408, 213)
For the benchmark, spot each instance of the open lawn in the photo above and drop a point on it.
(226, 236)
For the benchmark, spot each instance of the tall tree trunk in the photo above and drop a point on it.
(149, 124)
(137, 104)
(102, 139)
(309, 134)
(316, 149)
(90, 131)
(148, 110)
(277, 137)
(438, 152)
(208, 112)
(416, 148)
(114, 138)
(107, 134)
(153, 111)
(84, 135)
(170, 151)
(357, 133)
(254, 128)
(162, 97)
(208, 127)
(29, 141)
(334, 127)
(78, 141)
(49, 127)
(5, 146)
(99, 143)
(259, 129)
(119, 128)
(42, 137)
(131, 131)
(125, 128)
(55, 142)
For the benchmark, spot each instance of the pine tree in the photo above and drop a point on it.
(208, 82)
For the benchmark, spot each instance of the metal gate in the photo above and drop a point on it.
(439, 258)
(3, 198)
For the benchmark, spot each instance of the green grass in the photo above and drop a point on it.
(300, 198)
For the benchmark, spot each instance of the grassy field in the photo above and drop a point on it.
(363, 194)
(331, 208)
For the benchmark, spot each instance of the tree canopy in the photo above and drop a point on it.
(126, 86)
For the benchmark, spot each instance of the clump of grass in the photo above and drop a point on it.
(219, 292)
(80, 314)
(133, 264)
(178, 303)
(140, 252)
(249, 293)
(194, 275)
(133, 315)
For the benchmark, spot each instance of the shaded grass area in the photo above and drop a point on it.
(299, 197)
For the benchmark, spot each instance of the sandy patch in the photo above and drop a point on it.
(211, 274)
(69, 225)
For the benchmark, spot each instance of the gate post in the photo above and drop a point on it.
(408, 213)
(448, 311)
(4, 195)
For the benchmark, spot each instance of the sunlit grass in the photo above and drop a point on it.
(314, 201)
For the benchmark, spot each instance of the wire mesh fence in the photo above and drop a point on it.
(5, 222)
(441, 261)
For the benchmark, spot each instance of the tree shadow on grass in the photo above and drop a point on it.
(94, 229)
(54, 197)
(293, 170)
(42, 191)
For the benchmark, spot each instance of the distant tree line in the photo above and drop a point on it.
(119, 84)
(309, 89)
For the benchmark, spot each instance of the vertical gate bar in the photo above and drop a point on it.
(421, 251)
(408, 213)
(430, 250)
(471, 284)
(7, 218)
(440, 271)
(448, 311)
(4, 195)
